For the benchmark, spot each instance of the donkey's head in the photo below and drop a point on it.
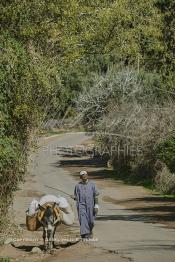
(48, 218)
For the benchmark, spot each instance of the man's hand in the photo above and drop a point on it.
(73, 197)
(96, 208)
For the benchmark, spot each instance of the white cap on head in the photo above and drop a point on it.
(83, 173)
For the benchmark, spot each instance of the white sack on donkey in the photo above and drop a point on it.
(67, 213)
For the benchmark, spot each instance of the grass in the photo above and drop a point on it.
(8, 228)
(164, 195)
(52, 132)
(4, 259)
(129, 179)
(133, 180)
(60, 131)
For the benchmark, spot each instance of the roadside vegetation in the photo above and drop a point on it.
(129, 104)
(108, 65)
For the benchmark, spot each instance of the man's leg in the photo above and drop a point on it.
(91, 234)
(84, 236)
(84, 222)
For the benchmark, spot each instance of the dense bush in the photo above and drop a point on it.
(128, 110)
(11, 167)
(165, 181)
(31, 89)
(166, 153)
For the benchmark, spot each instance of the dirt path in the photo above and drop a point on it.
(126, 227)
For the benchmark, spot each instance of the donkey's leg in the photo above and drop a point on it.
(50, 238)
(53, 242)
(44, 237)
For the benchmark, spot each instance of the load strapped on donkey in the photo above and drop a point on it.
(34, 222)
(61, 209)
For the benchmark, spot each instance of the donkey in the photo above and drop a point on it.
(49, 218)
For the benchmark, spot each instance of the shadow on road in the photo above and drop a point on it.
(84, 163)
(28, 248)
(91, 162)
(147, 218)
(150, 209)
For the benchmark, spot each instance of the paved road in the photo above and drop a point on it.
(116, 229)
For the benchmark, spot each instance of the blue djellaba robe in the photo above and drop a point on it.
(85, 194)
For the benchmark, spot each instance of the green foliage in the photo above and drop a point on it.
(12, 165)
(167, 8)
(166, 153)
(129, 30)
(27, 87)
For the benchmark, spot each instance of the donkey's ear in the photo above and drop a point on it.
(41, 207)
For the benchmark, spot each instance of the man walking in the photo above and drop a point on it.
(86, 195)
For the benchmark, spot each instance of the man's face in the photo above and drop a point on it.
(84, 178)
